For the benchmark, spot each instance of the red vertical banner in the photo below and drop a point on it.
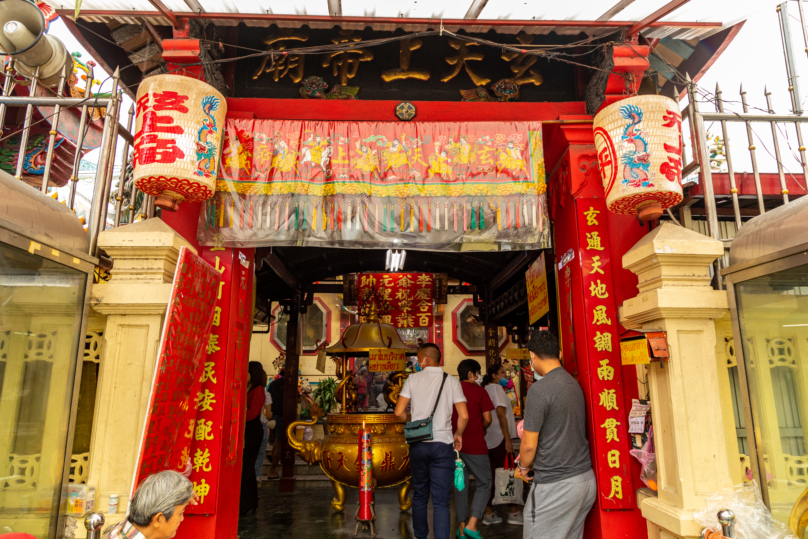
(217, 428)
(603, 353)
(408, 296)
(180, 364)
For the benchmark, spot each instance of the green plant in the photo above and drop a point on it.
(326, 394)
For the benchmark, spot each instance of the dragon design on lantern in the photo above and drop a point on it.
(637, 159)
(207, 142)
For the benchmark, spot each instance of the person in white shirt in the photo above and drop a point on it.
(498, 437)
(262, 452)
(433, 462)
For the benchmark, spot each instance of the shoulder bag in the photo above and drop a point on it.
(421, 430)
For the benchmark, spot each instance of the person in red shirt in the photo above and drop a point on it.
(475, 451)
(253, 433)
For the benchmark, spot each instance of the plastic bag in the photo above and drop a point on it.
(752, 519)
(647, 457)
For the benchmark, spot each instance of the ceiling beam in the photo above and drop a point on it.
(335, 8)
(417, 22)
(508, 271)
(280, 269)
(615, 9)
(165, 12)
(475, 9)
(654, 17)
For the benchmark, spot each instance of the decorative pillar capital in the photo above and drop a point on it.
(144, 255)
(578, 133)
(672, 264)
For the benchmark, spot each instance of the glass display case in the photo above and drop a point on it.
(44, 293)
(767, 285)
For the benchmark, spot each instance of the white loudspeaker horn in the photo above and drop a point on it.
(22, 35)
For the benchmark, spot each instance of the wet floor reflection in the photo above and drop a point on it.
(307, 513)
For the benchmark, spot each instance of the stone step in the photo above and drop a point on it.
(301, 482)
(301, 468)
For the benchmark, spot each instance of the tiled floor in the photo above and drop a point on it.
(307, 513)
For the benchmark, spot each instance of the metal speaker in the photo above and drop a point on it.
(22, 36)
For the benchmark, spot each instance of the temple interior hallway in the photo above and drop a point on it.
(307, 513)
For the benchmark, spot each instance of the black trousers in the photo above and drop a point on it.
(253, 435)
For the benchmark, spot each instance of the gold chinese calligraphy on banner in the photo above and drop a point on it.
(611, 439)
(537, 296)
(408, 296)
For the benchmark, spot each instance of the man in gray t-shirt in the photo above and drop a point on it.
(564, 488)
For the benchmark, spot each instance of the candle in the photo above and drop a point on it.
(277, 215)
(446, 216)
(376, 218)
(350, 223)
(365, 475)
(429, 217)
(286, 217)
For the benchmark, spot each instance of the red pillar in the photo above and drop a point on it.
(589, 246)
(217, 516)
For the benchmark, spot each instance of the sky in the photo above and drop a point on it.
(754, 58)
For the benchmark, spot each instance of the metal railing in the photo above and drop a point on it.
(111, 132)
(701, 162)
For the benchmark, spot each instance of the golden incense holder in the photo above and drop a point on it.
(338, 453)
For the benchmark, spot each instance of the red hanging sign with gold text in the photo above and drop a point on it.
(213, 449)
(179, 368)
(602, 336)
(408, 296)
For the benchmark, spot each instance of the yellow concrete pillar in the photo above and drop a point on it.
(134, 302)
(675, 296)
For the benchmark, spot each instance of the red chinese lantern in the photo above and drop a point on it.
(639, 144)
(178, 139)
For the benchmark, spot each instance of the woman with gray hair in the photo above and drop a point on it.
(157, 508)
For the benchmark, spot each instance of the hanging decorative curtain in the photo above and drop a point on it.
(437, 186)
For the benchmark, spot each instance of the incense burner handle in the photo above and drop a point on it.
(309, 450)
